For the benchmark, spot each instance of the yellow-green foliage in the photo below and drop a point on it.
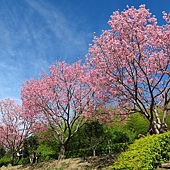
(145, 153)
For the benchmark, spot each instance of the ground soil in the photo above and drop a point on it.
(90, 163)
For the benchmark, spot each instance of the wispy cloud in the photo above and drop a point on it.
(33, 35)
(68, 40)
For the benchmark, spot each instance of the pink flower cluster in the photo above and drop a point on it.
(133, 60)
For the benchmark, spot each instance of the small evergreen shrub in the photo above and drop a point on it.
(145, 153)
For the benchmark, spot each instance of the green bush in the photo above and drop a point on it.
(116, 139)
(24, 161)
(85, 152)
(119, 147)
(123, 135)
(4, 161)
(113, 148)
(145, 153)
(138, 124)
(46, 152)
(112, 139)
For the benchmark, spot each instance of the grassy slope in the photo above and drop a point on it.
(91, 163)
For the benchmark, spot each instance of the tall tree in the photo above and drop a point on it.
(132, 60)
(14, 126)
(62, 99)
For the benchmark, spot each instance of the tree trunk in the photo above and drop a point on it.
(62, 152)
(157, 128)
(11, 159)
(94, 151)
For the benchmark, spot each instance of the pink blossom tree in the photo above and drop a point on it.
(14, 126)
(133, 64)
(63, 99)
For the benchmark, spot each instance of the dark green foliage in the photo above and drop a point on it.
(112, 140)
(48, 147)
(46, 152)
(43, 145)
(4, 160)
(145, 153)
(85, 152)
(77, 142)
(118, 137)
(94, 130)
(30, 145)
(94, 133)
(2, 151)
(22, 161)
(120, 134)
(90, 135)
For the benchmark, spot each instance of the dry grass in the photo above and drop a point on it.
(91, 163)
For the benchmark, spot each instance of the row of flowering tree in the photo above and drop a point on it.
(127, 66)
(63, 99)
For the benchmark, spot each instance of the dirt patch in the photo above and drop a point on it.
(102, 162)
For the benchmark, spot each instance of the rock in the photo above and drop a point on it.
(166, 165)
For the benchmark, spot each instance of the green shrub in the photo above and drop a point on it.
(85, 152)
(119, 147)
(46, 152)
(116, 140)
(138, 124)
(4, 160)
(145, 153)
(123, 135)
(24, 161)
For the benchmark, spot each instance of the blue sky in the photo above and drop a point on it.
(36, 33)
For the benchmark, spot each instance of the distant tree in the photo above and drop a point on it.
(63, 99)
(94, 132)
(14, 126)
(77, 143)
(132, 60)
(30, 145)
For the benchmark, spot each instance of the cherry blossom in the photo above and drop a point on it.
(14, 126)
(63, 99)
(132, 60)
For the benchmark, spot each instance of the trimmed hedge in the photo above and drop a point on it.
(145, 153)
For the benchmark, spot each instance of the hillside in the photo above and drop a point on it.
(91, 163)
